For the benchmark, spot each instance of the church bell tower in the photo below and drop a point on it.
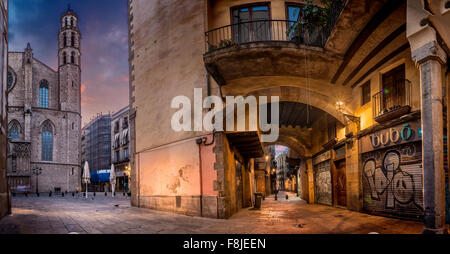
(69, 62)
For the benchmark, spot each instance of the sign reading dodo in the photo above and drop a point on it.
(404, 133)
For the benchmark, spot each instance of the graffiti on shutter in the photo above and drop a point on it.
(393, 181)
(322, 183)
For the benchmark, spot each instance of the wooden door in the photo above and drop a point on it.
(341, 183)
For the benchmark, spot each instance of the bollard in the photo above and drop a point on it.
(73, 194)
(94, 193)
(106, 194)
(50, 194)
(276, 197)
(264, 197)
(123, 194)
(26, 194)
(62, 194)
(37, 194)
(287, 197)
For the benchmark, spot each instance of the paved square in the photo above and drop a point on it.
(106, 215)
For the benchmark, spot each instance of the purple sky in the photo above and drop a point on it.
(104, 45)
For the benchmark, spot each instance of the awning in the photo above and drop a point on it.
(125, 136)
(101, 176)
(117, 140)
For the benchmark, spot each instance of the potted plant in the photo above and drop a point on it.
(312, 20)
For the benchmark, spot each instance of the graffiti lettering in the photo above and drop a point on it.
(392, 186)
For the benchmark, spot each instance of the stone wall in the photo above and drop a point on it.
(64, 171)
(5, 205)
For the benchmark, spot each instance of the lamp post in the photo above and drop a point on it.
(37, 172)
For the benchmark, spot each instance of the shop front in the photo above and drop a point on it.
(322, 179)
(392, 174)
(122, 177)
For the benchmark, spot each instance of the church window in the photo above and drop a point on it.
(43, 94)
(64, 57)
(71, 21)
(73, 40)
(66, 21)
(14, 130)
(72, 58)
(10, 79)
(65, 40)
(47, 142)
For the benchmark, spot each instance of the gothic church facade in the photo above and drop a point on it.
(44, 121)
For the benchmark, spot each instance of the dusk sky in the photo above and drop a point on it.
(104, 45)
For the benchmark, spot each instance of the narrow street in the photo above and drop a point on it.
(105, 215)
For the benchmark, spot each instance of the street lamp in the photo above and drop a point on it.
(37, 172)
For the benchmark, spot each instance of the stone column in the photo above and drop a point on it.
(309, 166)
(430, 59)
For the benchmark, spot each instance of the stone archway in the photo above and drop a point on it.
(300, 95)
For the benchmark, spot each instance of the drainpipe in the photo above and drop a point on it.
(199, 143)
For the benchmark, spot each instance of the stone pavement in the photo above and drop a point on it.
(105, 215)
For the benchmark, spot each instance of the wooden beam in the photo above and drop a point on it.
(381, 15)
(380, 63)
(375, 51)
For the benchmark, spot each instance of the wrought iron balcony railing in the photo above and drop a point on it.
(263, 31)
(392, 102)
(273, 30)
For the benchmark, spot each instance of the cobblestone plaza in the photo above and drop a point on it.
(58, 215)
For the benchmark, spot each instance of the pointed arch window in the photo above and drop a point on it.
(64, 57)
(72, 58)
(71, 21)
(73, 40)
(10, 79)
(43, 94)
(47, 141)
(14, 130)
(65, 40)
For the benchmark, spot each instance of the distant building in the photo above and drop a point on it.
(281, 170)
(44, 114)
(97, 143)
(5, 205)
(120, 152)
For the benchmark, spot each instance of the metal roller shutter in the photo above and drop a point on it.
(322, 183)
(393, 181)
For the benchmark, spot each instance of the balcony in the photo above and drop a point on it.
(271, 47)
(268, 48)
(264, 31)
(392, 103)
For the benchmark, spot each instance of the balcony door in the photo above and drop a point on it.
(251, 23)
(394, 88)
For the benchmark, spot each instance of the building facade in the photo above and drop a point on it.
(120, 151)
(281, 171)
(44, 122)
(97, 143)
(5, 199)
(361, 102)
